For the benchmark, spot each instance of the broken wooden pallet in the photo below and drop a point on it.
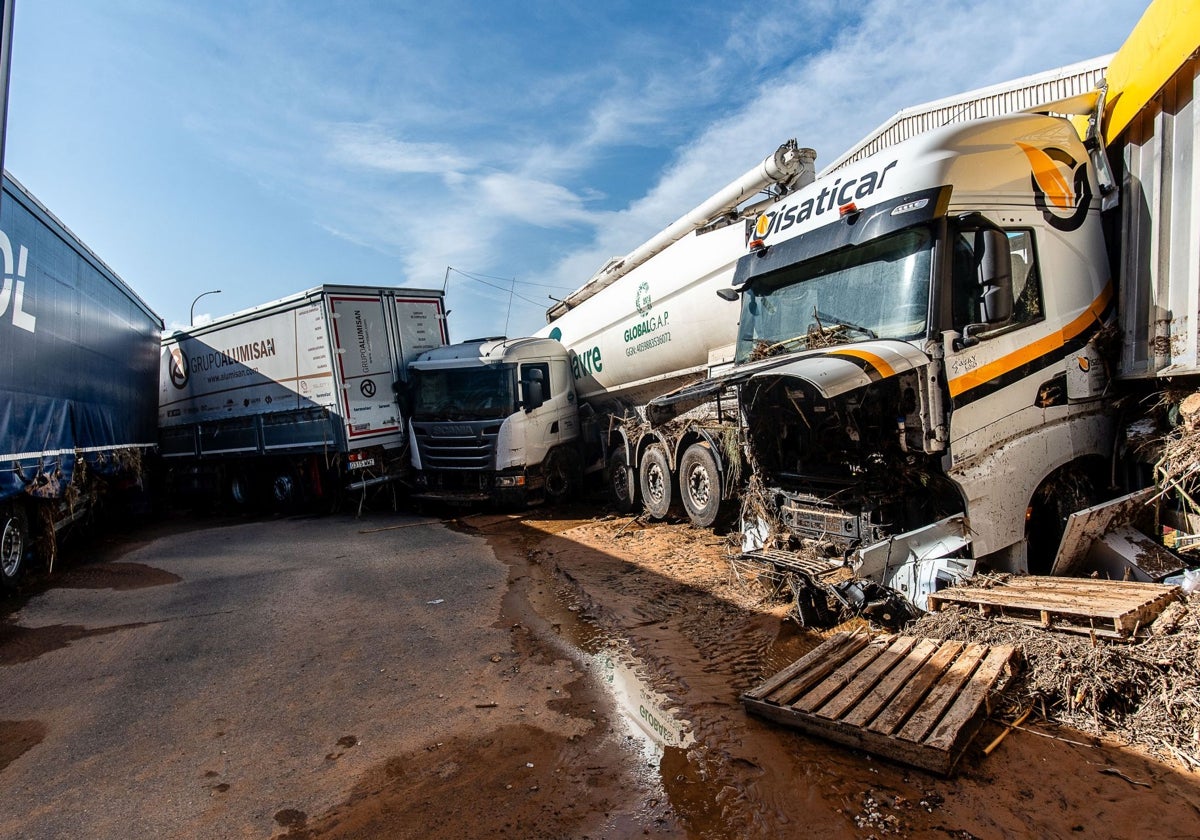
(1109, 608)
(916, 701)
(791, 561)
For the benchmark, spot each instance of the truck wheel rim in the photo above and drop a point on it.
(556, 477)
(284, 488)
(655, 482)
(10, 548)
(698, 486)
(620, 481)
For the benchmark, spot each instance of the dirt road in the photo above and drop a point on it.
(537, 676)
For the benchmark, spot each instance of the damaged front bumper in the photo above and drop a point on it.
(913, 565)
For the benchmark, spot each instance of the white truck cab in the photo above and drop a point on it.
(494, 419)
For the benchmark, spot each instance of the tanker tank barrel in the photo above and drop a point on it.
(788, 168)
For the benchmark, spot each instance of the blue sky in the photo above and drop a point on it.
(263, 148)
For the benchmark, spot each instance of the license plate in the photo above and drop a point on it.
(358, 465)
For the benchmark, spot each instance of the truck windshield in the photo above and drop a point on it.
(876, 290)
(475, 393)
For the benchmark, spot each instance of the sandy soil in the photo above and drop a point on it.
(661, 600)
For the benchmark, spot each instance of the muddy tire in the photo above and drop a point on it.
(622, 481)
(14, 545)
(700, 485)
(655, 481)
(240, 491)
(562, 475)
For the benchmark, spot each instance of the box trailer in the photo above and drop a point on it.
(78, 360)
(294, 400)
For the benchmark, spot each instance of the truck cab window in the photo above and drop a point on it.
(544, 367)
(1027, 285)
(1026, 279)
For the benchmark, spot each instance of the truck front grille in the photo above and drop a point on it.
(810, 519)
(457, 446)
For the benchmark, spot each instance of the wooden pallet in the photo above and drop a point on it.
(789, 561)
(1109, 608)
(916, 701)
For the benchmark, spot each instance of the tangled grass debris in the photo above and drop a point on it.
(1144, 693)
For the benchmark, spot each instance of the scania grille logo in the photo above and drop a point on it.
(452, 431)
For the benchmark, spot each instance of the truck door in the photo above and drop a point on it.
(421, 326)
(367, 370)
(555, 421)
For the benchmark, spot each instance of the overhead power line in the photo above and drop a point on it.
(478, 278)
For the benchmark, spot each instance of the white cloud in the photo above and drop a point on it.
(370, 147)
(516, 198)
(390, 161)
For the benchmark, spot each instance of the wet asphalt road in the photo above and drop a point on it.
(290, 656)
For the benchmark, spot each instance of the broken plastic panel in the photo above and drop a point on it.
(919, 562)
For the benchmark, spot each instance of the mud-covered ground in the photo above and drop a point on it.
(688, 637)
(545, 675)
(704, 637)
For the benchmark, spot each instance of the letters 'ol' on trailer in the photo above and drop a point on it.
(78, 352)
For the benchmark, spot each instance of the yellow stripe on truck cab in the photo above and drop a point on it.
(1035, 350)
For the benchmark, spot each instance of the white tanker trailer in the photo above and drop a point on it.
(517, 420)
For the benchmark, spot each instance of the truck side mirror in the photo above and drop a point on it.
(534, 390)
(995, 276)
(994, 266)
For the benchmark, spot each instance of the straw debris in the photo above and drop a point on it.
(1144, 693)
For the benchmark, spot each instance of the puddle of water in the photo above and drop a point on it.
(648, 713)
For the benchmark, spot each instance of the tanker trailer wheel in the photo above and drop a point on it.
(14, 540)
(622, 481)
(654, 476)
(700, 484)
